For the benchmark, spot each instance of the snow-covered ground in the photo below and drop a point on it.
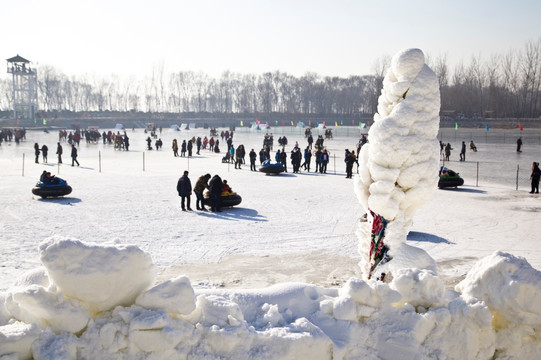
(290, 228)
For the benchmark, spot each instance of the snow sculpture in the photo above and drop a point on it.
(398, 167)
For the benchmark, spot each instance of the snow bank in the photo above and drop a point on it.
(412, 317)
(511, 288)
(99, 276)
(398, 167)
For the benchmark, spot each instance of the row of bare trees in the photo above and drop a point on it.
(506, 85)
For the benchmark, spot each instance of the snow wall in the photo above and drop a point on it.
(99, 302)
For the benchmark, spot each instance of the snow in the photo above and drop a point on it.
(398, 164)
(117, 271)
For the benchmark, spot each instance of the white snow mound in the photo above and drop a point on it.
(99, 276)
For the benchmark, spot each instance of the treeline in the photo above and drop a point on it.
(506, 85)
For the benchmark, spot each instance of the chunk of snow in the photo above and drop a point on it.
(100, 276)
(175, 296)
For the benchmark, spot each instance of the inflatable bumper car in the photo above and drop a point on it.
(227, 199)
(449, 178)
(269, 168)
(59, 187)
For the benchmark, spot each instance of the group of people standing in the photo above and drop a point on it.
(44, 150)
(214, 185)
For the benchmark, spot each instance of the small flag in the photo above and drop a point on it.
(309, 122)
(336, 123)
(352, 122)
(292, 123)
(323, 123)
(487, 127)
(341, 122)
(520, 126)
(456, 126)
(18, 121)
(241, 123)
(44, 122)
(258, 122)
(283, 123)
(267, 123)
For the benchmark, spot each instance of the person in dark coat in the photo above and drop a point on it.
(59, 152)
(318, 159)
(190, 147)
(324, 161)
(36, 152)
(215, 189)
(184, 188)
(183, 148)
(262, 156)
(44, 152)
(149, 143)
(296, 158)
(310, 141)
(126, 142)
(448, 149)
(253, 157)
(200, 186)
(350, 160)
(536, 175)
(283, 159)
(198, 144)
(519, 144)
(238, 157)
(74, 155)
(463, 152)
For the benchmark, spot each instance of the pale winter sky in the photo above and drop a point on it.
(295, 36)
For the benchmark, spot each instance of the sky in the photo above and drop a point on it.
(331, 38)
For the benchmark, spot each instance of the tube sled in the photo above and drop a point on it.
(227, 199)
(269, 168)
(59, 188)
(449, 178)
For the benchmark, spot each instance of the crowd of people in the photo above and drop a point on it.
(8, 135)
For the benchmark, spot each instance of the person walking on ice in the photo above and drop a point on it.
(74, 155)
(463, 152)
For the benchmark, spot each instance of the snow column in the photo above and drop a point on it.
(398, 167)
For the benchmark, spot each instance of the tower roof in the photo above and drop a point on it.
(18, 58)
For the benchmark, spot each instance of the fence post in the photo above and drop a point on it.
(99, 160)
(518, 167)
(334, 157)
(143, 161)
(477, 176)
(23, 164)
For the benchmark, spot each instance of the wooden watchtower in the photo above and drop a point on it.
(25, 89)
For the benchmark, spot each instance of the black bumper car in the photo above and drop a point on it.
(449, 178)
(269, 168)
(227, 199)
(59, 187)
